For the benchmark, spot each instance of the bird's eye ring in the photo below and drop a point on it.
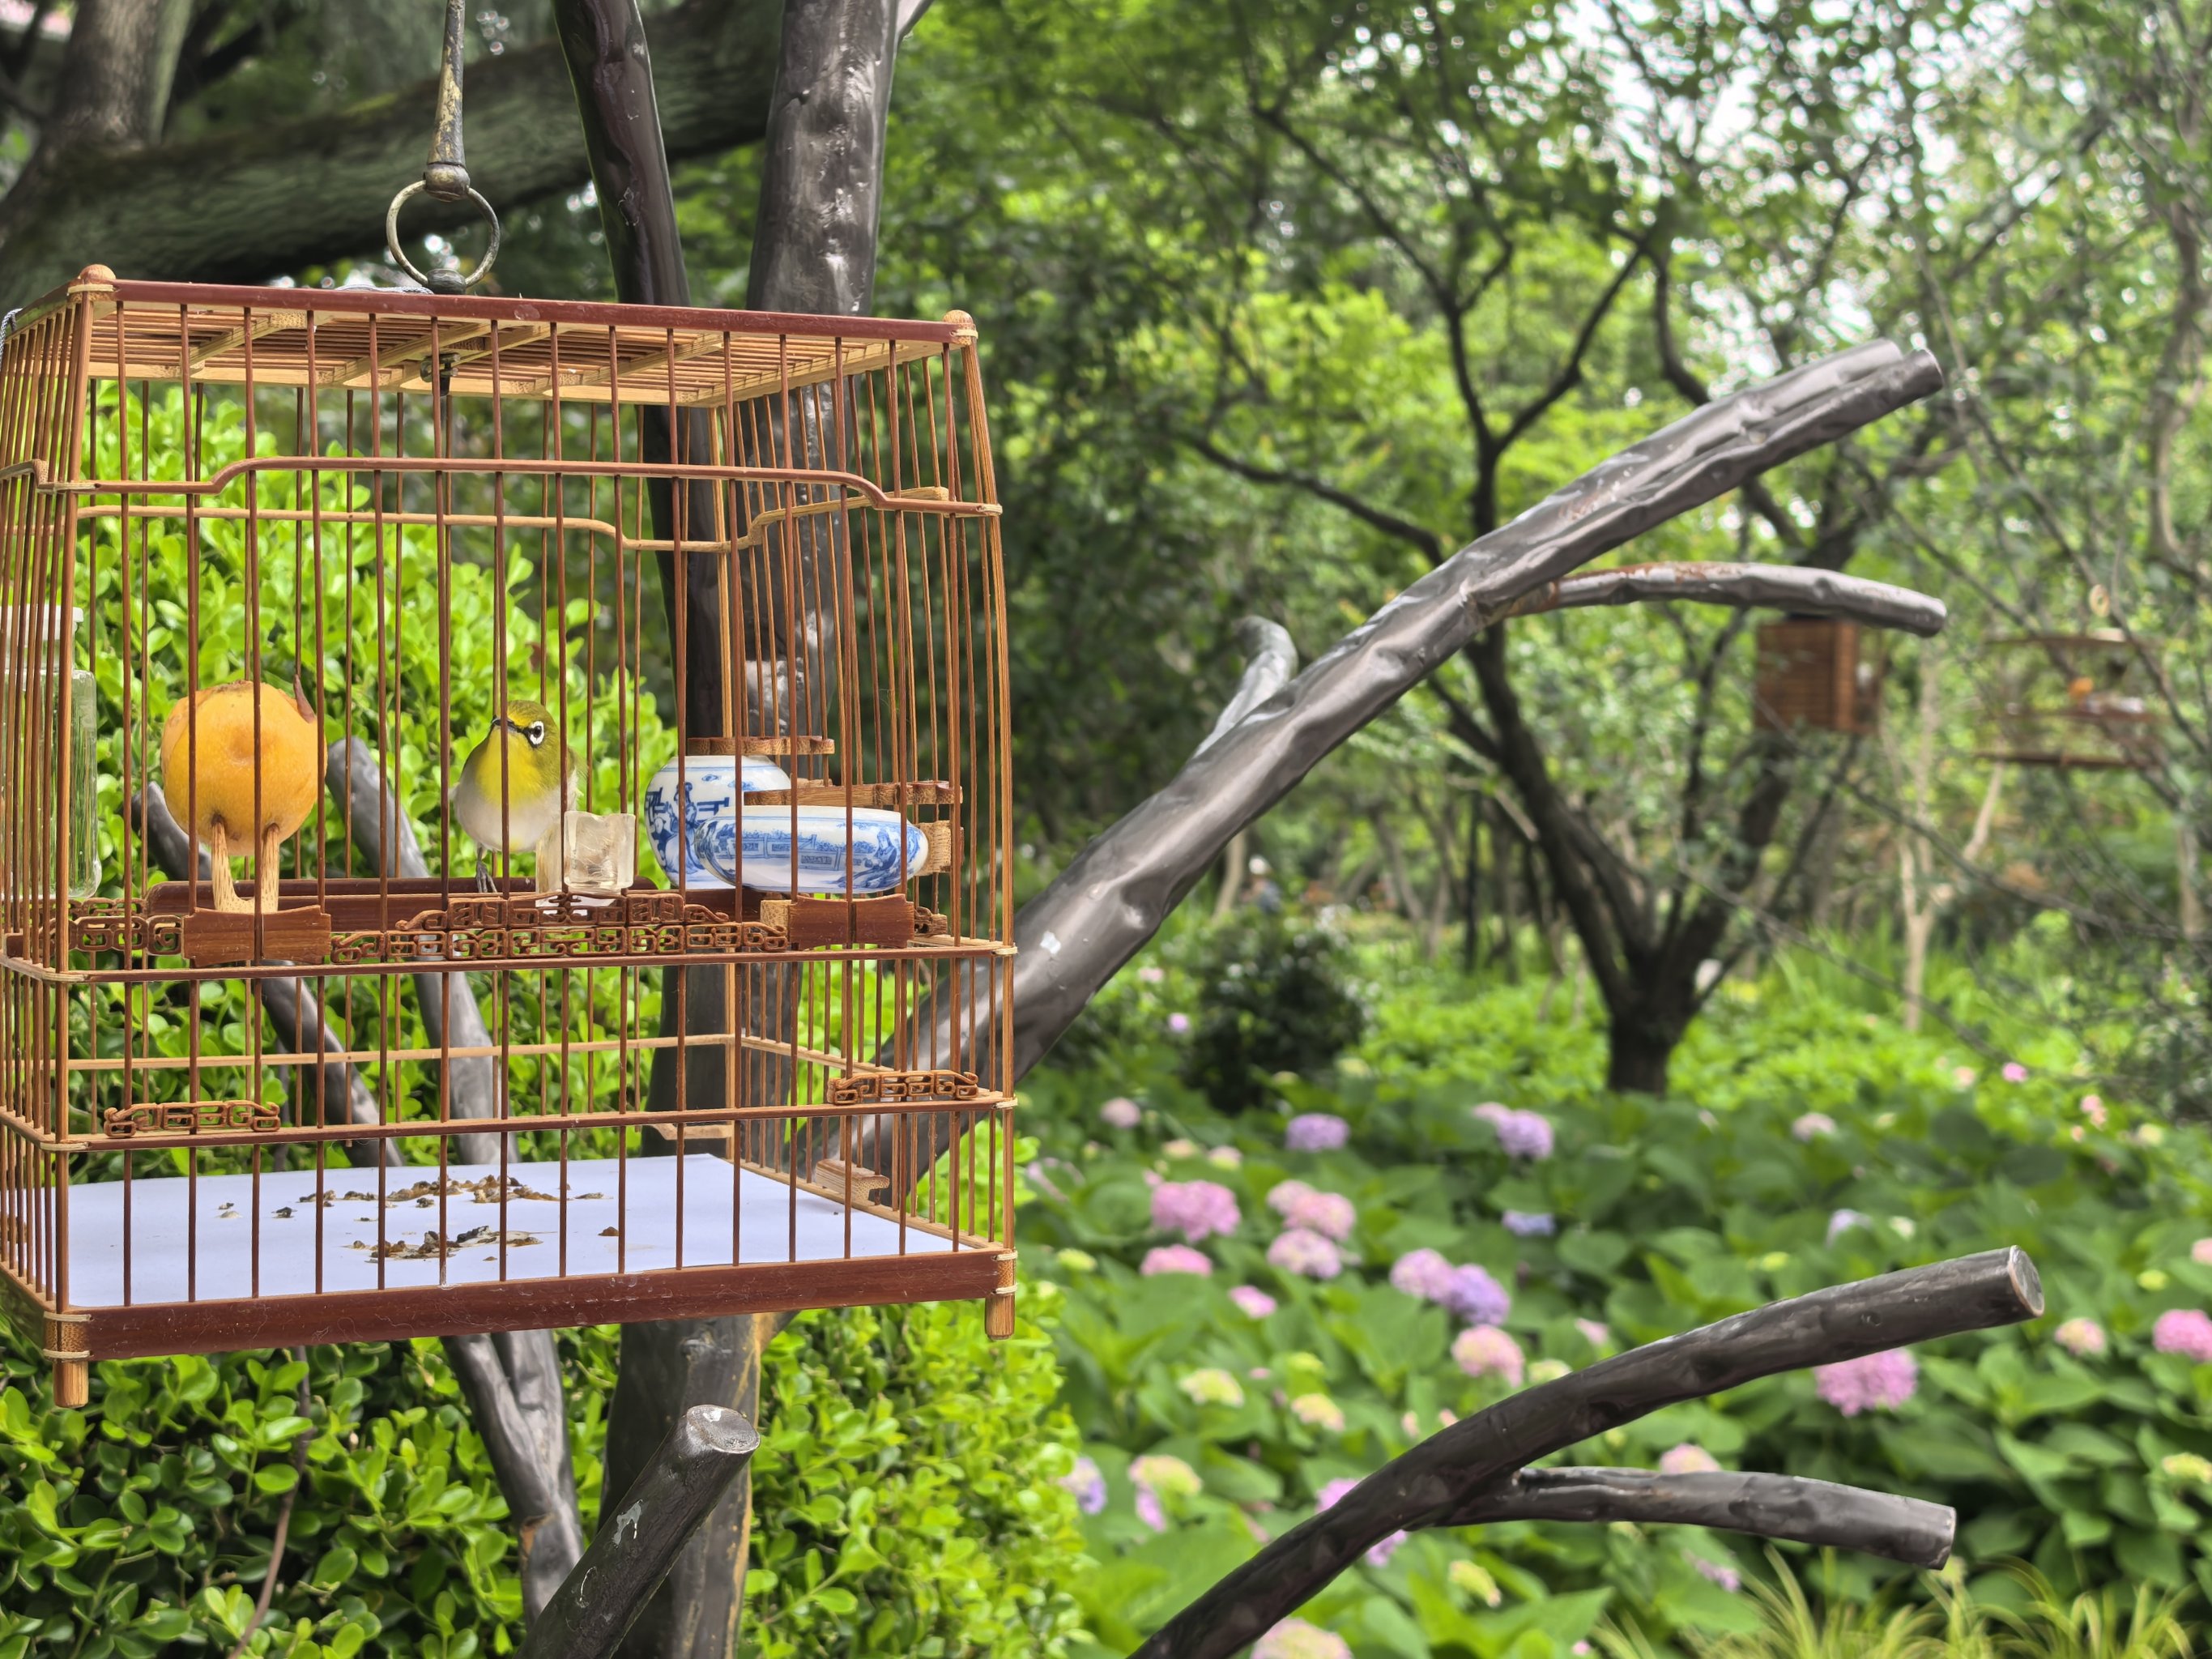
(536, 733)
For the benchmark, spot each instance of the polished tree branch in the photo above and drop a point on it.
(1801, 589)
(1816, 1512)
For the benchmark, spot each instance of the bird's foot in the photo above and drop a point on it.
(484, 882)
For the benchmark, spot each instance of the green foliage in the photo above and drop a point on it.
(1666, 1214)
(1275, 998)
(142, 1524)
(906, 1498)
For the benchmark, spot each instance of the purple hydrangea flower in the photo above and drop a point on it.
(1256, 1303)
(1284, 1194)
(1485, 1351)
(1423, 1272)
(1522, 1134)
(1316, 1131)
(1726, 1577)
(1529, 1224)
(1302, 1250)
(1330, 1213)
(1842, 1222)
(1088, 1486)
(2184, 1331)
(1179, 1023)
(1884, 1380)
(1120, 1113)
(1196, 1209)
(1177, 1259)
(1476, 1296)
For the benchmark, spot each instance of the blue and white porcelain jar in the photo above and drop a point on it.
(712, 785)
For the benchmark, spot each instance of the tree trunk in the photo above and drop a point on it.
(814, 251)
(1638, 1048)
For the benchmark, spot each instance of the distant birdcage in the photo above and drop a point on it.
(1810, 675)
(339, 587)
(2081, 701)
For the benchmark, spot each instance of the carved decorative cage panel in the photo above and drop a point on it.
(329, 1010)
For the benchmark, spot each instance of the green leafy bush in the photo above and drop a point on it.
(1275, 998)
(906, 1500)
(906, 1492)
(1647, 1217)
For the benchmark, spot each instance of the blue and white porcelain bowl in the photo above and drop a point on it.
(866, 843)
(711, 786)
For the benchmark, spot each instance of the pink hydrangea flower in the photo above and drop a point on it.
(1120, 1113)
(1485, 1351)
(1476, 1296)
(1256, 1303)
(1284, 1194)
(1842, 1222)
(1884, 1380)
(1179, 1147)
(1294, 1639)
(1423, 1272)
(2081, 1337)
(1686, 1459)
(1225, 1157)
(1196, 1209)
(2093, 1109)
(1379, 1553)
(1316, 1131)
(1962, 1077)
(1179, 1023)
(2014, 1072)
(1318, 1410)
(1150, 976)
(1596, 1332)
(1302, 1250)
(2201, 1252)
(1329, 1213)
(1159, 1476)
(1813, 1126)
(2184, 1331)
(1175, 1259)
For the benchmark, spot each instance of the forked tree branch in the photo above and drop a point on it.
(1438, 1480)
(1112, 897)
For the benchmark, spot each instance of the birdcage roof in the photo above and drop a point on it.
(362, 339)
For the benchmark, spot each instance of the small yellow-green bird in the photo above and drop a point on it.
(512, 813)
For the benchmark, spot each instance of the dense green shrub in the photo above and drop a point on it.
(913, 1460)
(2095, 1465)
(1275, 997)
(908, 1502)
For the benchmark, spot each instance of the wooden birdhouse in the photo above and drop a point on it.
(1810, 676)
(408, 928)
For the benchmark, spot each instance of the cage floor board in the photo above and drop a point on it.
(173, 1260)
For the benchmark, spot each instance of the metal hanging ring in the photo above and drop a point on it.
(442, 282)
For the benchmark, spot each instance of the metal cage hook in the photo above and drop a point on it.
(446, 178)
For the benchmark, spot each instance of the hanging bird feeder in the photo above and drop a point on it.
(2073, 702)
(338, 1000)
(1810, 676)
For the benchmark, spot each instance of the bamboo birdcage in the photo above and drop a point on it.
(2079, 701)
(234, 1106)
